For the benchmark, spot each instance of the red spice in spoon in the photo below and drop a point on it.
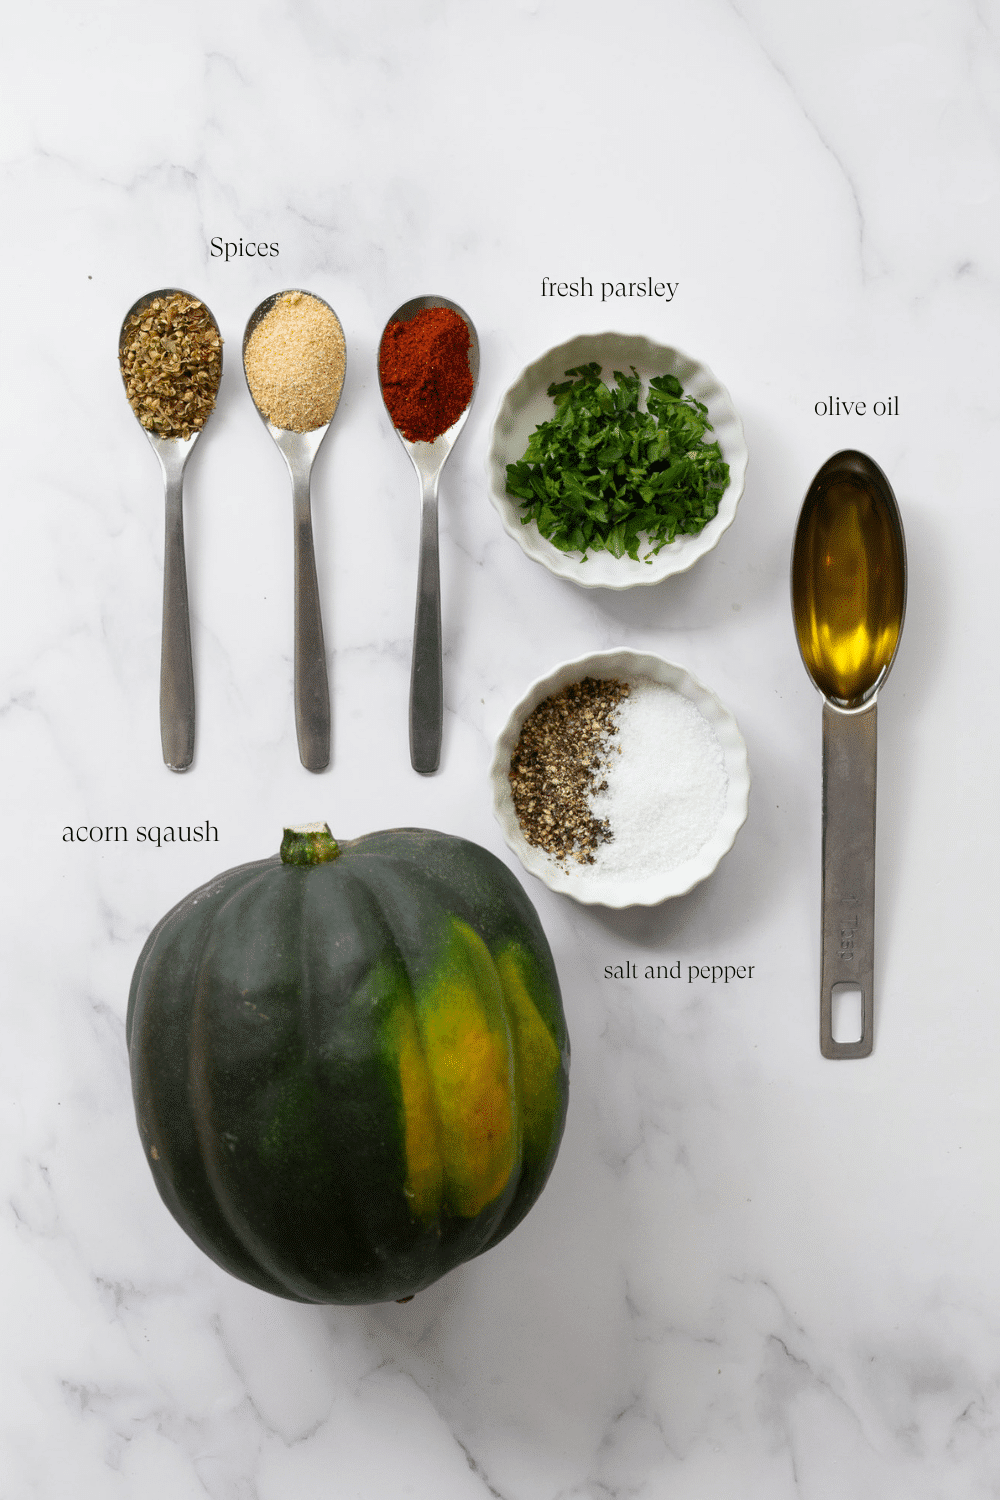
(424, 369)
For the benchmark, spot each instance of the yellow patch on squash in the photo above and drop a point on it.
(538, 1057)
(421, 1148)
(468, 1048)
(457, 1080)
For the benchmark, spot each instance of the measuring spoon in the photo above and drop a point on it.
(176, 668)
(426, 676)
(299, 449)
(848, 602)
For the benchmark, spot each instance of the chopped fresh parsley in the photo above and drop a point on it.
(603, 476)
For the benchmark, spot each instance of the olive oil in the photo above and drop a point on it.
(848, 579)
(848, 599)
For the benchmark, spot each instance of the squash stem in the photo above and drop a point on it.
(308, 844)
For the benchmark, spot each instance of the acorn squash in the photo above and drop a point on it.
(350, 1063)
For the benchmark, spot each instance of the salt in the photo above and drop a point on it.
(666, 785)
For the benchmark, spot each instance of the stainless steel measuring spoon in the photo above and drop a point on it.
(848, 602)
(312, 687)
(177, 714)
(426, 673)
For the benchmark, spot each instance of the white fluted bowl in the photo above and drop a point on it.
(526, 404)
(594, 889)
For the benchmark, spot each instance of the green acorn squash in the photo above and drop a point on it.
(350, 1063)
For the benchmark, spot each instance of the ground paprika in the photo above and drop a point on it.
(423, 366)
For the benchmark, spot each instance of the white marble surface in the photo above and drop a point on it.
(754, 1273)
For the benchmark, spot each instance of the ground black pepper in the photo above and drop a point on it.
(557, 765)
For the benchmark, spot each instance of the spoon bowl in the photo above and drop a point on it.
(849, 579)
(848, 603)
(428, 459)
(177, 712)
(299, 449)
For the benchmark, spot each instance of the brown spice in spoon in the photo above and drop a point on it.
(171, 363)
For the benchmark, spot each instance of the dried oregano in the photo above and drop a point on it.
(171, 363)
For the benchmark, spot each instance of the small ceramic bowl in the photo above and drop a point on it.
(527, 404)
(591, 888)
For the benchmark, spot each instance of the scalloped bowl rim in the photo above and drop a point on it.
(616, 892)
(524, 404)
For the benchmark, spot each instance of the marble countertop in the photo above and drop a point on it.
(754, 1273)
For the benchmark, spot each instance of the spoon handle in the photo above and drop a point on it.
(426, 685)
(312, 689)
(848, 945)
(176, 669)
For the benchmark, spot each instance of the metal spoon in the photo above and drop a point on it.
(426, 684)
(176, 669)
(312, 687)
(848, 602)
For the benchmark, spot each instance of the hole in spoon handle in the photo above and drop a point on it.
(848, 899)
